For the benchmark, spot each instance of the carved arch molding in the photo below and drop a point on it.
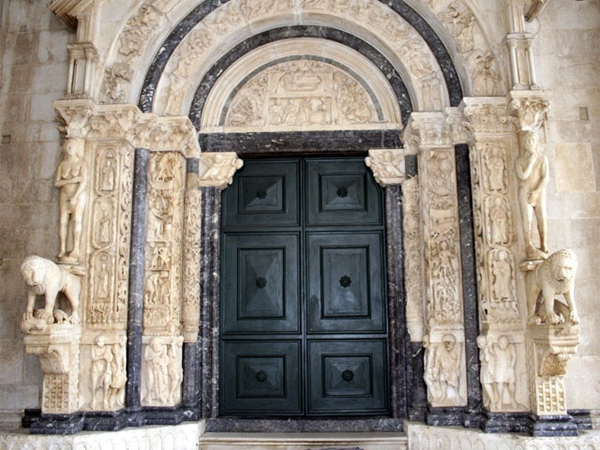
(271, 77)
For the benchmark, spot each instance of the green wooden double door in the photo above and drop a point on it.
(303, 303)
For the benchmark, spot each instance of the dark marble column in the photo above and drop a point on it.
(396, 302)
(473, 416)
(209, 303)
(136, 286)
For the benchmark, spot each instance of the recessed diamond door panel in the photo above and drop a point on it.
(345, 283)
(260, 288)
(262, 377)
(263, 195)
(347, 377)
(341, 193)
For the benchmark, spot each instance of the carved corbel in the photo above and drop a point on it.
(217, 169)
(388, 166)
(76, 114)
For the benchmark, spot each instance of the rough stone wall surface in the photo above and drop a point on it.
(33, 73)
(34, 64)
(567, 59)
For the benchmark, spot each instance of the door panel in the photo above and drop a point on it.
(345, 283)
(261, 377)
(263, 195)
(261, 284)
(341, 194)
(303, 304)
(345, 376)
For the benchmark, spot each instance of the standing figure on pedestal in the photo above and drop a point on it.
(532, 171)
(71, 178)
(504, 356)
(157, 360)
(102, 358)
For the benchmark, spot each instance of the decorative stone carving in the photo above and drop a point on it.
(43, 277)
(530, 111)
(387, 166)
(108, 374)
(72, 180)
(498, 373)
(553, 276)
(163, 292)
(531, 168)
(502, 306)
(549, 349)
(109, 237)
(217, 169)
(488, 117)
(191, 260)
(57, 347)
(442, 371)
(460, 20)
(162, 371)
(191, 59)
(412, 262)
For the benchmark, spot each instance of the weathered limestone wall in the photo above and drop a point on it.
(567, 57)
(34, 64)
(33, 73)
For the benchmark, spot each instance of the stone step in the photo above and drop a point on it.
(303, 441)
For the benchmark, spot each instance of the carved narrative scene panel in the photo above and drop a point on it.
(110, 225)
(307, 94)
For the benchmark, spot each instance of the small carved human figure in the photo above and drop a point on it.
(494, 163)
(504, 360)
(501, 272)
(71, 178)
(442, 370)
(157, 360)
(175, 369)
(487, 376)
(554, 276)
(46, 278)
(118, 379)
(499, 222)
(532, 172)
(102, 358)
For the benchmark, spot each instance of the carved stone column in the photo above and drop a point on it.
(518, 41)
(445, 369)
(553, 331)
(501, 342)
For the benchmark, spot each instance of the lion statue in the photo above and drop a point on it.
(554, 276)
(46, 278)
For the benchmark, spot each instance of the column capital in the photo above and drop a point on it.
(388, 166)
(218, 168)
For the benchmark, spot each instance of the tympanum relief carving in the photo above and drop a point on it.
(302, 94)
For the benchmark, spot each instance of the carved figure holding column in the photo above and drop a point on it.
(532, 172)
(554, 276)
(46, 278)
(72, 178)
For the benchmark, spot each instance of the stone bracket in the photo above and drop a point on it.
(217, 169)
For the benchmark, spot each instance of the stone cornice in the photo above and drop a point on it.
(67, 10)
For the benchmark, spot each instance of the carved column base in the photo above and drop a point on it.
(57, 347)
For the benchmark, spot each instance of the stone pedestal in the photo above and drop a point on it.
(57, 347)
(549, 349)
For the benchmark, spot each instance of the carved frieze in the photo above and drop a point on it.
(162, 293)
(191, 260)
(413, 264)
(110, 221)
(489, 117)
